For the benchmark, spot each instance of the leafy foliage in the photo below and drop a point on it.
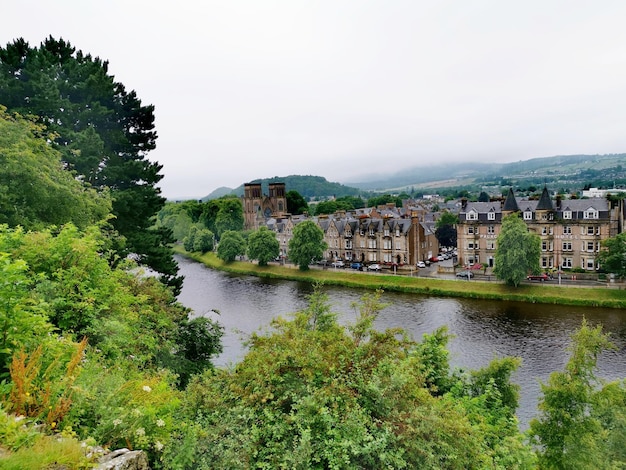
(35, 190)
(296, 204)
(581, 425)
(313, 394)
(613, 256)
(307, 244)
(518, 251)
(263, 246)
(232, 244)
(102, 131)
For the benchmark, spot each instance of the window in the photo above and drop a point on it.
(372, 243)
(491, 245)
(567, 215)
(472, 215)
(567, 262)
(544, 246)
(544, 262)
(567, 246)
(567, 229)
(528, 215)
(471, 228)
(386, 234)
(397, 232)
(590, 213)
(362, 244)
(349, 244)
(472, 245)
(491, 216)
(491, 229)
(387, 257)
(387, 244)
(590, 230)
(590, 246)
(590, 264)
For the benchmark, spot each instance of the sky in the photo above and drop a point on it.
(351, 89)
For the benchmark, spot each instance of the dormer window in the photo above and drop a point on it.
(472, 215)
(590, 213)
(528, 215)
(491, 215)
(567, 215)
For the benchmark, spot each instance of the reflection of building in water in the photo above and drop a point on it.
(258, 207)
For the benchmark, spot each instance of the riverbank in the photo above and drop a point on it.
(536, 293)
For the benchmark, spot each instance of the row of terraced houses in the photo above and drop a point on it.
(571, 230)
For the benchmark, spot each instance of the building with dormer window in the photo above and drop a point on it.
(571, 231)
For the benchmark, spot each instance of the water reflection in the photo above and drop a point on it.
(482, 330)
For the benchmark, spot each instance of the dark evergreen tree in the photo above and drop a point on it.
(103, 133)
(296, 204)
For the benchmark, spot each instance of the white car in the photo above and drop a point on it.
(421, 264)
(337, 264)
(374, 267)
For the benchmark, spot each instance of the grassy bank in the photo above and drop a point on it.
(536, 293)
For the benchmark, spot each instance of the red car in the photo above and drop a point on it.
(538, 277)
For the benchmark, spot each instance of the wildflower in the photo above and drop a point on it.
(160, 423)
(136, 412)
(146, 388)
(117, 422)
(140, 432)
(158, 446)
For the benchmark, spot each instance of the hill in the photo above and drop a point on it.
(574, 171)
(308, 186)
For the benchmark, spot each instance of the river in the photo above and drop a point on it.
(482, 330)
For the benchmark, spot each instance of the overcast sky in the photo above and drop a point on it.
(345, 89)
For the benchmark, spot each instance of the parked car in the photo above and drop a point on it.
(421, 264)
(337, 264)
(374, 267)
(538, 277)
(433, 259)
(465, 274)
(356, 265)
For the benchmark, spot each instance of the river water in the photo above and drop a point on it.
(482, 330)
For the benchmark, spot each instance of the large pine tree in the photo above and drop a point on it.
(103, 132)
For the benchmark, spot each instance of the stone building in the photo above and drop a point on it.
(258, 208)
(571, 230)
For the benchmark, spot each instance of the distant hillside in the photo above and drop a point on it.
(308, 186)
(422, 175)
(563, 169)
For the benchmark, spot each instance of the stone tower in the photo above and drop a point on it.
(258, 207)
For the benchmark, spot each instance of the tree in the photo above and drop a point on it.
(263, 246)
(231, 245)
(445, 229)
(203, 240)
(613, 257)
(384, 199)
(35, 190)
(307, 244)
(581, 425)
(103, 133)
(313, 394)
(518, 251)
(229, 216)
(483, 197)
(296, 204)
